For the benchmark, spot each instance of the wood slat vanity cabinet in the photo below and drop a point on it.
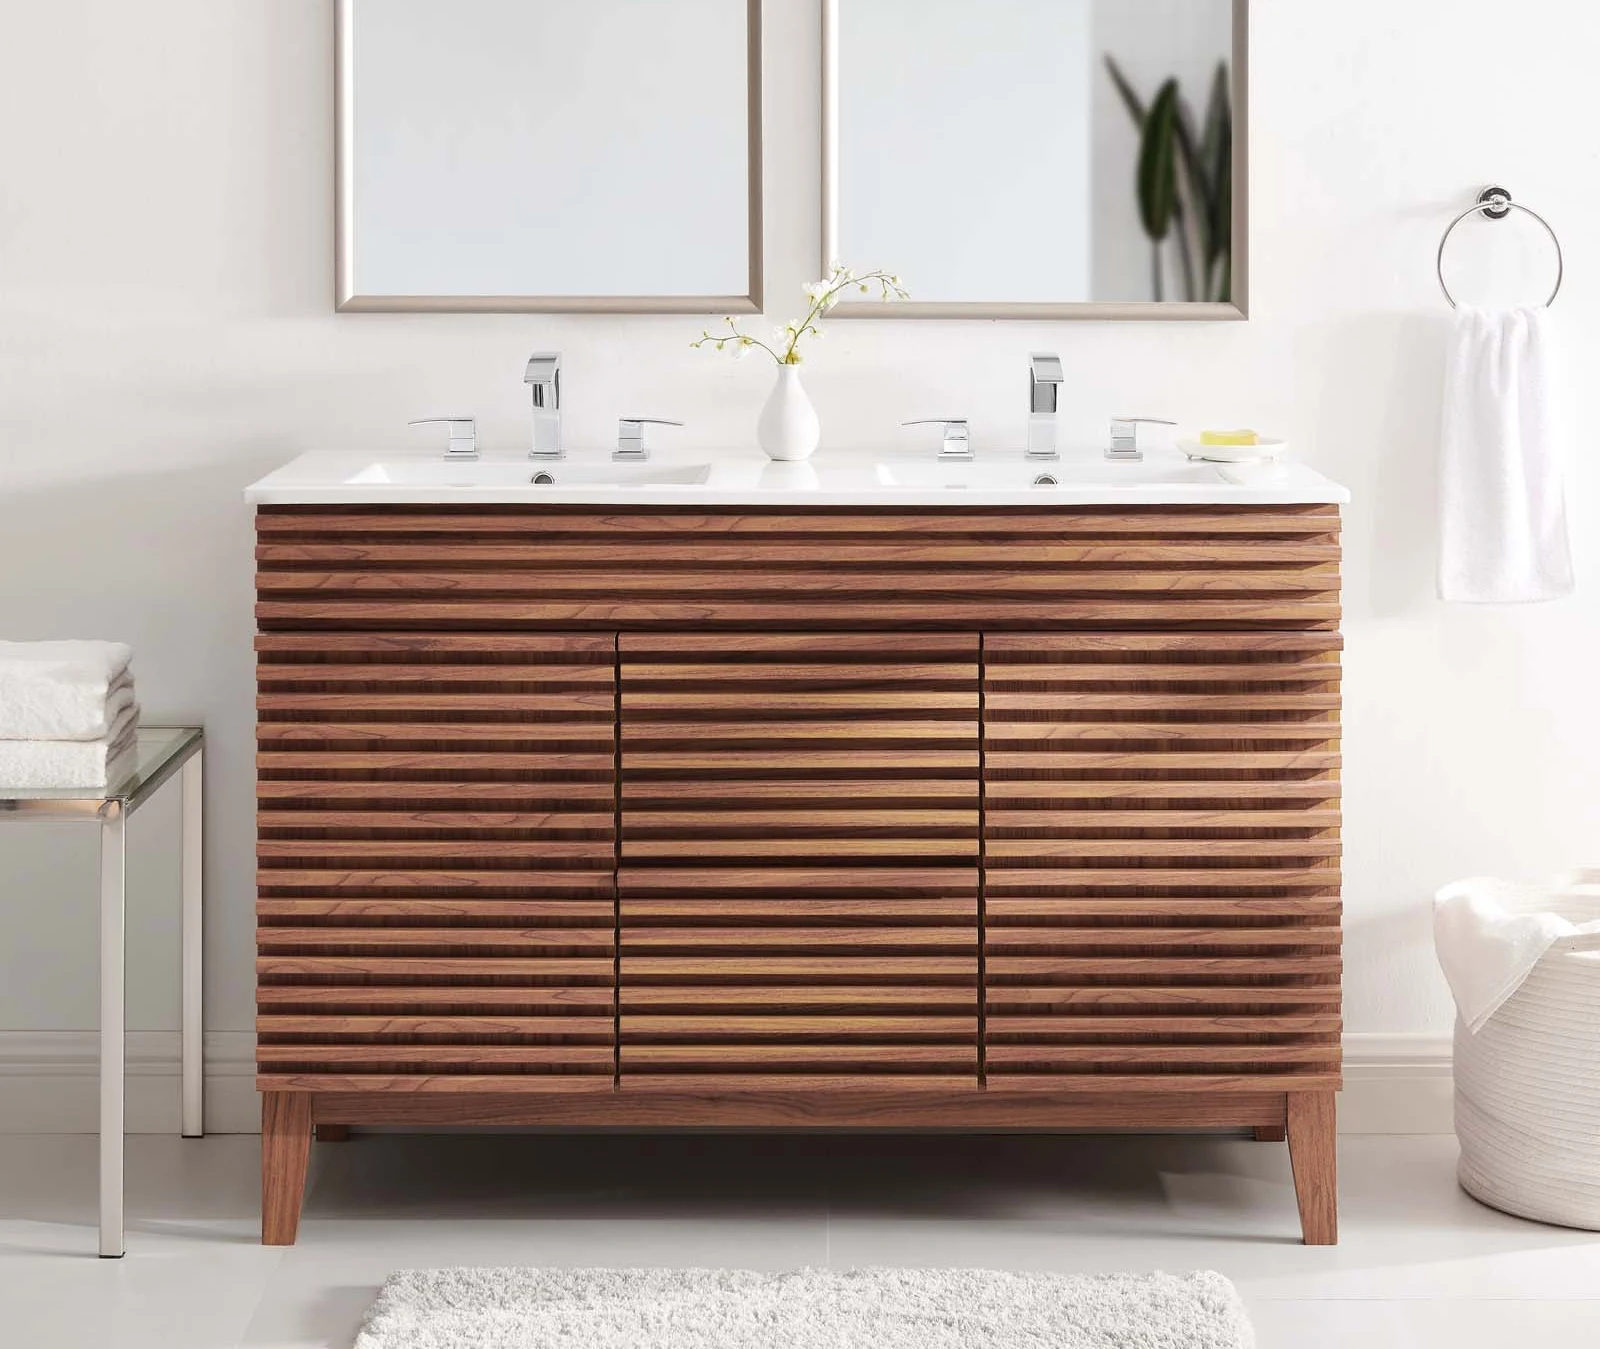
(834, 818)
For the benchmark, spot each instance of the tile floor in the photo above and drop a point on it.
(1421, 1265)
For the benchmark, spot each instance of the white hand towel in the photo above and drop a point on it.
(1502, 504)
(46, 764)
(1490, 934)
(62, 690)
(48, 710)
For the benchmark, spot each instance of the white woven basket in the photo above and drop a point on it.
(1527, 1084)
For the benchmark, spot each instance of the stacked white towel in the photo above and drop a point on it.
(68, 715)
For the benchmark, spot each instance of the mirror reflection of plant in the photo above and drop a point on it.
(1195, 207)
(822, 295)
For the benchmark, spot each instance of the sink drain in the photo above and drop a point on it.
(1047, 480)
(543, 480)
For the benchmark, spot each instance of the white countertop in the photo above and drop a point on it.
(743, 478)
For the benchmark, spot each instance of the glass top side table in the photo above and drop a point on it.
(161, 754)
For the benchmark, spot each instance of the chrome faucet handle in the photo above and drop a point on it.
(1044, 401)
(463, 435)
(543, 377)
(630, 438)
(1125, 437)
(957, 443)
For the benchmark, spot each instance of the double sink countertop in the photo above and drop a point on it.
(745, 478)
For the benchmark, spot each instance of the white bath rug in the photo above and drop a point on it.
(808, 1309)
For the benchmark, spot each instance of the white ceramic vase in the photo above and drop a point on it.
(789, 429)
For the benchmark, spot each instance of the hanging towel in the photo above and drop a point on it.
(1490, 934)
(41, 764)
(63, 690)
(1502, 505)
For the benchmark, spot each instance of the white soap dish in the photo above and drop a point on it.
(1265, 451)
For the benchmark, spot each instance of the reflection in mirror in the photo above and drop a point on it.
(550, 154)
(1049, 158)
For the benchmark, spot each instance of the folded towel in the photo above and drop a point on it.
(62, 690)
(51, 711)
(1502, 504)
(1490, 934)
(44, 764)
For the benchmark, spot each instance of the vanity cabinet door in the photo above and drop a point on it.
(436, 861)
(1161, 860)
(799, 883)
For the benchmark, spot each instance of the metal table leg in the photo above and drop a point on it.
(113, 1012)
(192, 1038)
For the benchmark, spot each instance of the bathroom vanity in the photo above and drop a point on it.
(886, 796)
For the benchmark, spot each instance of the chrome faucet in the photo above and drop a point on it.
(957, 442)
(1044, 398)
(543, 377)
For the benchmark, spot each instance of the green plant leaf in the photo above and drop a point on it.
(1216, 157)
(1130, 100)
(1158, 175)
(1199, 206)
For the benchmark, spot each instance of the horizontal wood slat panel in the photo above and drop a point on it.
(560, 521)
(726, 908)
(436, 857)
(498, 579)
(441, 1000)
(341, 970)
(505, 568)
(995, 609)
(1193, 866)
(465, 1085)
(587, 1027)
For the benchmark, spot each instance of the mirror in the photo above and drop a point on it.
(1051, 159)
(550, 155)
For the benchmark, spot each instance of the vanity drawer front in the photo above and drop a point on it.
(1161, 858)
(1154, 567)
(799, 860)
(436, 861)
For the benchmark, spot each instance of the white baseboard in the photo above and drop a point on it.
(49, 1082)
(1394, 1084)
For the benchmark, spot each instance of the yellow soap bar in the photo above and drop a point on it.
(1229, 438)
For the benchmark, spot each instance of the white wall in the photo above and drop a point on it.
(166, 337)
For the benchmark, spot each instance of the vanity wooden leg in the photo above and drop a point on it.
(333, 1133)
(1270, 1133)
(1313, 1153)
(285, 1152)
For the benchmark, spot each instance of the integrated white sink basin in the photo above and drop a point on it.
(743, 478)
(467, 474)
(1044, 477)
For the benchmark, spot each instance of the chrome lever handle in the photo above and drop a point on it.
(957, 443)
(1125, 436)
(630, 437)
(463, 435)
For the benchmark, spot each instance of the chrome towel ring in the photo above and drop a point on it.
(1494, 203)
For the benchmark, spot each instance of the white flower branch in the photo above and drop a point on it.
(823, 295)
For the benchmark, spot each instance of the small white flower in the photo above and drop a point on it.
(816, 290)
(742, 350)
(782, 335)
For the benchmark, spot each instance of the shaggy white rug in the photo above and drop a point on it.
(808, 1309)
